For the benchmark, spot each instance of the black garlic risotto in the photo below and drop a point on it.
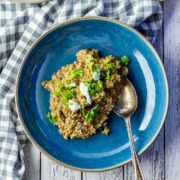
(82, 94)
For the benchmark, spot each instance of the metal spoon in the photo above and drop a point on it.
(125, 107)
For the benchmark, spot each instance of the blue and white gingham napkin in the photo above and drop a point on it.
(20, 25)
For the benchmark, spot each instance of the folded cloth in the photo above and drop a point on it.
(20, 25)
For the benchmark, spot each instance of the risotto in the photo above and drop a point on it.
(82, 94)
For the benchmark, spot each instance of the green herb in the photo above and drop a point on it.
(94, 87)
(125, 60)
(107, 60)
(76, 73)
(59, 89)
(90, 58)
(110, 66)
(57, 93)
(91, 91)
(103, 75)
(98, 86)
(108, 74)
(63, 86)
(67, 94)
(88, 82)
(83, 105)
(91, 64)
(91, 114)
(95, 69)
(60, 86)
(108, 71)
(50, 118)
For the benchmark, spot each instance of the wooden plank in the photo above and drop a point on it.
(52, 171)
(152, 161)
(116, 174)
(32, 162)
(172, 65)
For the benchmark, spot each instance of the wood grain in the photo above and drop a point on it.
(172, 65)
(32, 162)
(116, 174)
(152, 162)
(53, 171)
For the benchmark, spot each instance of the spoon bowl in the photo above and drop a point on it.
(127, 99)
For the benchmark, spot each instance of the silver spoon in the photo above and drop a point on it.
(125, 107)
(29, 1)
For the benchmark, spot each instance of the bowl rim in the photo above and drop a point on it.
(59, 25)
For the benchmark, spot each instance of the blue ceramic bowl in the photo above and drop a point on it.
(56, 48)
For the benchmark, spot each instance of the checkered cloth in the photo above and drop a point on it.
(20, 25)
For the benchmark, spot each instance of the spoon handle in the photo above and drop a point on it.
(135, 162)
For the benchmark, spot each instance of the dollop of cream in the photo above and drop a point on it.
(73, 105)
(96, 75)
(85, 92)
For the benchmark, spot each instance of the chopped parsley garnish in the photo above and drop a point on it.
(83, 105)
(98, 86)
(50, 118)
(91, 114)
(76, 73)
(60, 86)
(87, 84)
(65, 91)
(110, 66)
(125, 60)
(59, 89)
(107, 60)
(66, 95)
(90, 58)
(94, 87)
(95, 69)
(108, 74)
(108, 70)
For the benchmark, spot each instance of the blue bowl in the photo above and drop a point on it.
(56, 48)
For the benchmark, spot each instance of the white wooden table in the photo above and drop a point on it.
(162, 160)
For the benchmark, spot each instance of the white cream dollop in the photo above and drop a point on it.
(96, 75)
(73, 105)
(85, 92)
